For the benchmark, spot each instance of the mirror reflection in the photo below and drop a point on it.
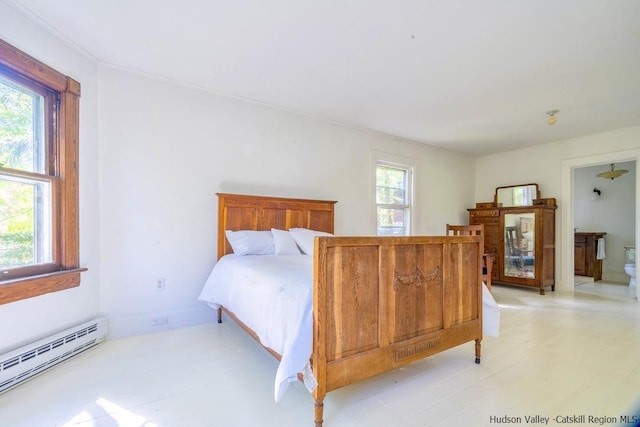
(519, 251)
(516, 195)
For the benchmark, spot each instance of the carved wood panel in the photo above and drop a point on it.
(413, 284)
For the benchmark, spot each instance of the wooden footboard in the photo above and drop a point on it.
(383, 302)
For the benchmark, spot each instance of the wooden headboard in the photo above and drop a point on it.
(244, 212)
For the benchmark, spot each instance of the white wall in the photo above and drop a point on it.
(613, 213)
(24, 321)
(165, 150)
(550, 165)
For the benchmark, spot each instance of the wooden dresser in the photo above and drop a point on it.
(585, 262)
(522, 238)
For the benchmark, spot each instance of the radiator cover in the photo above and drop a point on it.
(24, 363)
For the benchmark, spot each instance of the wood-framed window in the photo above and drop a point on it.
(39, 129)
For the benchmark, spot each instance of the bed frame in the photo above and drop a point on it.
(379, 302)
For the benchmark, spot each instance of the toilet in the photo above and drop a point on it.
(630, 266)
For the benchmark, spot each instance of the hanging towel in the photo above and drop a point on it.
(600, 251)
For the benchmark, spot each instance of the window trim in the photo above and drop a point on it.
(400, 162)
(66, 204)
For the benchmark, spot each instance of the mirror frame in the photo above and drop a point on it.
(495, 196)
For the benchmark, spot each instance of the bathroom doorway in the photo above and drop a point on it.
(594, 212)
(606, 208)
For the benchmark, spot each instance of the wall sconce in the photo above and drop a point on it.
(552, 117)
(596, 194)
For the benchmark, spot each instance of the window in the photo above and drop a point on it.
(393, 199)
(38, 178)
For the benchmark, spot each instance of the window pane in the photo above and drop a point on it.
(21, 127)
(25, 222)
(391, 221)
(391, 186)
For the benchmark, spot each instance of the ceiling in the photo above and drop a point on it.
(476, 77)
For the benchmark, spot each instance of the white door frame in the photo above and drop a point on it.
(566, 237)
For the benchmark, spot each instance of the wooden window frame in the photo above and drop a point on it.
(64, 162)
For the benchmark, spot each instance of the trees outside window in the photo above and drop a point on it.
(25, 185)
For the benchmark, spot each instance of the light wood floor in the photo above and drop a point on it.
(558, 355)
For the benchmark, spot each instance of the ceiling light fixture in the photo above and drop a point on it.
(552, 117)
(612, 174)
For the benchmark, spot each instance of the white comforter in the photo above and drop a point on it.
(273, 295)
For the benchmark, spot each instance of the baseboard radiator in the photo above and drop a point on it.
(19, 365)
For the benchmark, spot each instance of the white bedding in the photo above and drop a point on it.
(272, 295)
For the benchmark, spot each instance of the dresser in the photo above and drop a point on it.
(522, 239)
(585, 261)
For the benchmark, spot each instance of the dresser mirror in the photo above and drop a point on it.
(519, 245)
(516, 195)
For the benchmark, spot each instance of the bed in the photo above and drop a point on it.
(374, 303)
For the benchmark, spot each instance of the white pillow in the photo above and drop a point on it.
(250, 242)
(284, 243)
(304, 238)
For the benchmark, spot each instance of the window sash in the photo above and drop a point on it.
(387, 220)
(60, 168)
(44, 131)
(32, 250)
(393, 227)
(26, 235)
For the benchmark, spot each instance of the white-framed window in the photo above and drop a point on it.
(394, 197)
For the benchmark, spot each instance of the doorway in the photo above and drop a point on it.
(569, 168)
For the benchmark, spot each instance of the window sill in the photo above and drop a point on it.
(29, 287)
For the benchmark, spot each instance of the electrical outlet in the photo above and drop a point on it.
(160, 284)
(160, 320)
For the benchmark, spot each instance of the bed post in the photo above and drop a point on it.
(319, 409)
(320, 336)
(219, 314)
(480, 263)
